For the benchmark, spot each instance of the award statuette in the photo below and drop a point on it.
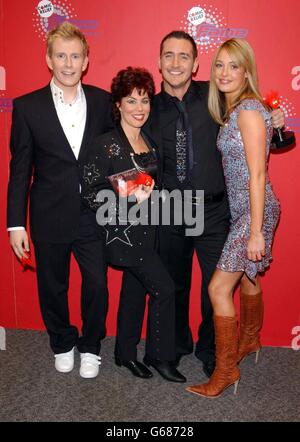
(127, 182)
(280, 138)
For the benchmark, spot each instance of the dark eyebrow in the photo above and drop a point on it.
(133, 98)
(173, 53)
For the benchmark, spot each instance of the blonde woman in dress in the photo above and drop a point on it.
(244, 141)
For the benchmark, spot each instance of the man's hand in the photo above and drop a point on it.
(277, 118)
(19, 242)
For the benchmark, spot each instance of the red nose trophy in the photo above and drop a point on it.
(280, 138)
(26, 262)
(144, 179)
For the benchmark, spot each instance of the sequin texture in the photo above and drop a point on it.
(181, 155)
(234, 255)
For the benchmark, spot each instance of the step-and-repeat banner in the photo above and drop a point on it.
(123, 33)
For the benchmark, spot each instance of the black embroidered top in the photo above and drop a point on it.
(126, 227)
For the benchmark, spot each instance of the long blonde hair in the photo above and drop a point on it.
(242, 53)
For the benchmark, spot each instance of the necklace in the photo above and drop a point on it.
(138, 168)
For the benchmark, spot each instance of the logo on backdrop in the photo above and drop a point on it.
(5, 103)
(292, 122)
(49, 14)
(296, 78)
(207, 25)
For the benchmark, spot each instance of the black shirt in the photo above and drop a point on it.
(207, 173)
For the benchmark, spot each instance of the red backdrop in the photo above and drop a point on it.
(123, 33)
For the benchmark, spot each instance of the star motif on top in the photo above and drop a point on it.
(119, 232)
(114, 150)
(92, 200)
(90, 173)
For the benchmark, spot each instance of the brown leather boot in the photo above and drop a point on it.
(226, 372)
(251, 320)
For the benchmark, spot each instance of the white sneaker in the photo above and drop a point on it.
(89, 367)
(64, 362)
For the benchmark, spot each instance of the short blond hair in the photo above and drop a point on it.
(67, 31)
(241, 51)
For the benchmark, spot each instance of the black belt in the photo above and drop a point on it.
(208, 198)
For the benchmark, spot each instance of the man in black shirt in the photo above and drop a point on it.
(185, 134)
(178, 61)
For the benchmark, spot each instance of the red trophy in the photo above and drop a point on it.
(144, 179)
(26, 262)
(280, 138)
(127, 182)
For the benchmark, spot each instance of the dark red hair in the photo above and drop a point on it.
(125, 81)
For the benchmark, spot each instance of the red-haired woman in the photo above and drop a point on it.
(131, 244)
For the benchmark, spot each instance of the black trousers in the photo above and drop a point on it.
(53, 270)
(152, 278)
(176, 252)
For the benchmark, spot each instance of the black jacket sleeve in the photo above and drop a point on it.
(21, 166)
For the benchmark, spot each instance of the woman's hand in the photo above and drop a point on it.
(143, 192)
(126, 188)
(256, 246)
(277, 118)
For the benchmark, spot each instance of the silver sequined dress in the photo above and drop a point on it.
(234, 255)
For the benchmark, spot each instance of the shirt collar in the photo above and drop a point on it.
(192, 90)
(58, 94)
